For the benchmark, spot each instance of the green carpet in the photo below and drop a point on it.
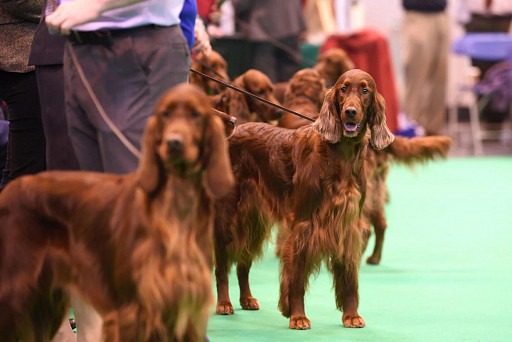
(446, 273)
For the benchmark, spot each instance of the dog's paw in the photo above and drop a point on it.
(373, 260)
(224, 308)
(353, 321)
(249, 303)
(300, 323)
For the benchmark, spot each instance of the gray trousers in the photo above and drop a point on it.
(127, 77)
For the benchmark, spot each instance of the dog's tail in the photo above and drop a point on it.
(411, 151)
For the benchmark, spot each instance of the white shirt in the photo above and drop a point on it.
(158, 12)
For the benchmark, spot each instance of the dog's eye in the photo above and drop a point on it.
(166, 114)
(365, 91)
(343, 89)
(194, 114)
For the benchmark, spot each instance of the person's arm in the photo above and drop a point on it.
(27, 10)
(78, 12)
(202, 43)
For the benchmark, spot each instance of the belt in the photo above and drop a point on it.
(91, 37)
(103, 37)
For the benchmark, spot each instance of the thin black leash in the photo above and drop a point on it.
(252, 95)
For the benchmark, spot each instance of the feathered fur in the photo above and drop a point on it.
(313, 179)
(137, 247)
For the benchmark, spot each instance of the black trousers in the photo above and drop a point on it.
(59, 151)
(279, 63)
(26, 145)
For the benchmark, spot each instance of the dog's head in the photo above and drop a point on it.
(247, 108)
(332, 64)
(351, 104)
(306, 83)
(185, 137)
(213, 65)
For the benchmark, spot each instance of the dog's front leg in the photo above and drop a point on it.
(293, 281)
(346, 286)
(224, 306)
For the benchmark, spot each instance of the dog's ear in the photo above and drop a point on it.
(150, 171)
(219, 179)
(328, 124)
(381, 135)
(321, 93)
(238, 106)
(194, 78)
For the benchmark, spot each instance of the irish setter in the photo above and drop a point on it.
(137, 247)
(213, 65)
(313, 179)
(332, 64)
(244, 107)
(303, 95)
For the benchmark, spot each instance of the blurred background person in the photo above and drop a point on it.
(18, 88)
(46, 55)
(274, 29)
(426, 44)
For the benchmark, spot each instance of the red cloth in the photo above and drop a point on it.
(204, 7)
(369, 51)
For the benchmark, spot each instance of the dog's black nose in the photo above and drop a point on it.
(351, 112)
(175, 143)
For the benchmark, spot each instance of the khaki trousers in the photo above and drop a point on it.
(425, 58)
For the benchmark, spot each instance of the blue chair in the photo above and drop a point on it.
(490, 46)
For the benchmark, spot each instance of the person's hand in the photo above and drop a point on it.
(70, 14)
(202, 43)
(215, 31)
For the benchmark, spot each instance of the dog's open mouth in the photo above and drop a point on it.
(351, 128)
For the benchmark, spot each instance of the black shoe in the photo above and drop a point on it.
(72, 322)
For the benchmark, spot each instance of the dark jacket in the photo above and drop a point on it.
(261, 19)
(47, 49)
(424, 5)
(18, 23)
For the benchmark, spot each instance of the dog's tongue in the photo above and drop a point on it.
(350, 127)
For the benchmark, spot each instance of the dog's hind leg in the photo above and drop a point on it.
(379, 225)
(224, 306)
(257, 230)
(247, 301)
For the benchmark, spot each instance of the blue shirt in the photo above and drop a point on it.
(158, 12)
(188, 20)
